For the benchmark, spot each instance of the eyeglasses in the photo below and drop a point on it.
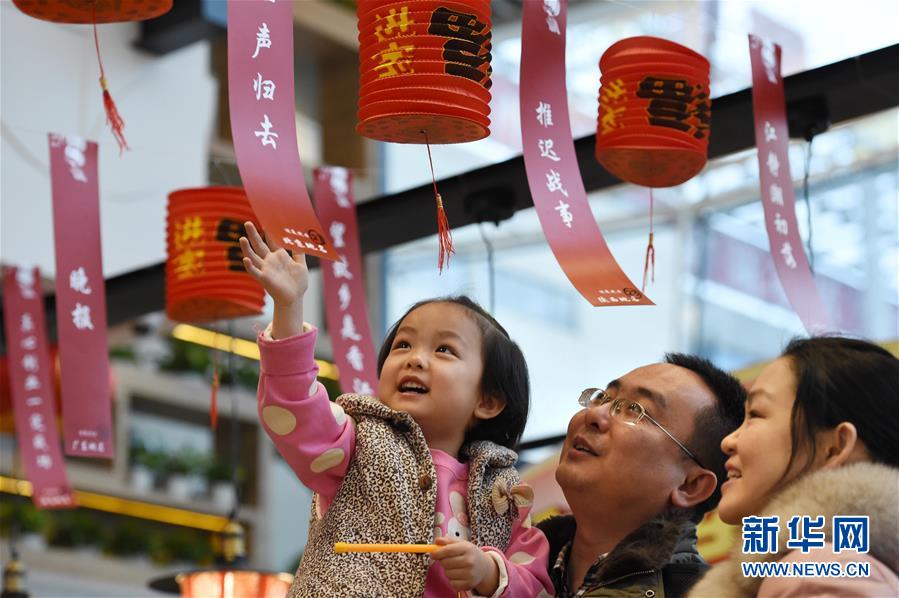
(627, 412)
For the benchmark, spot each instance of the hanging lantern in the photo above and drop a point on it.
(93, 11)
(204, 273)
(654, 112)
(424, 75)
(424, 70)
(231, 579)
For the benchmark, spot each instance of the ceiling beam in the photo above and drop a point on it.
(851, 88)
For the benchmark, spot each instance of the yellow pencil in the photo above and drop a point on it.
(419, 548)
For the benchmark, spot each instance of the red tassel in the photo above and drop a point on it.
(445, 236)
(649, 262)
(650, 250)
(213, 402)
(113, 118)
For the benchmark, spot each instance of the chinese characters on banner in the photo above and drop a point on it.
(32, 389)
(553, 174)
(345, 306)
(263, 124)
(772, 138)
(80, 298)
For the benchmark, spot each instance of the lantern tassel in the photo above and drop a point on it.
(649, 264)
(113, 118)
(444, 234)
(213, 398)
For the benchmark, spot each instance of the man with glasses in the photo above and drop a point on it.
(640, 466)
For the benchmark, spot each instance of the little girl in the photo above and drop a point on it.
(427, 461)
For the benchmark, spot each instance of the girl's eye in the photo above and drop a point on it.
(753, 414)
(401, 345)
(445, 349)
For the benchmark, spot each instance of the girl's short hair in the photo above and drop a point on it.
(505, 373)
(844, 379)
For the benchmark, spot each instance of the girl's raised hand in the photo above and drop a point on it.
(283, 277)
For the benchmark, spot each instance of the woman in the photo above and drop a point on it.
(820, 437)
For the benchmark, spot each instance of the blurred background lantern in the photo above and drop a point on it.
(204, 273)
(654, 112)
(230, 579)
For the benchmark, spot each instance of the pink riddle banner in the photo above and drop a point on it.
(345, 306)
(263, 124)
(32, 389)
(772, 137)
(551, 164)
(80, 298)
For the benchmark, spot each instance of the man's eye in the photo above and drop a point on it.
(633, 408)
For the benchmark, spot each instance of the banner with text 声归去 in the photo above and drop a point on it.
(263, 124)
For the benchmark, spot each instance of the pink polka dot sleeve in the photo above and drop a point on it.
(314, 435)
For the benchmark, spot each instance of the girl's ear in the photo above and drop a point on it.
(489, 406)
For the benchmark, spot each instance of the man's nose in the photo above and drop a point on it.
(599, 417)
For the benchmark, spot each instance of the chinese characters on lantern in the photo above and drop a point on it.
(776, 184)
(612, 104)
(263, 122)
(32, 389)
(554, 177)
(80, 298)
(345, 306)
(677, 104)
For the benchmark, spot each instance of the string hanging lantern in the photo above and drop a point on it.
(424, 70)
(92, 12)
(654, 116)
(205, 279)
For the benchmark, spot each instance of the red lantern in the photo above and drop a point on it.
(654, 112)
(424, 73)
(204, 273)
(93, 11)
(424, 70)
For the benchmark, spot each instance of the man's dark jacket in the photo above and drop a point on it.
(657, 560)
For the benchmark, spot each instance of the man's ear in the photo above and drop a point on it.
(698, 486)
(489, 406)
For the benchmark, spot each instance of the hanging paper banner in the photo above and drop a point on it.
(345, 306)
(551, 164)
(263, 124)
(772, 137)
(32, 389)
(80, 298)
